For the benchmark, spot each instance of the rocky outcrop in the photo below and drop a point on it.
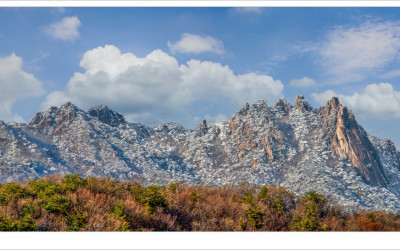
(349, 141)
(301, 104)
(107, 116)
(233, 125)
(55, 118)
(268, 148)
(203, 128)
(283, 106)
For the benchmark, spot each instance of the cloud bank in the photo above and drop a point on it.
(15, 84)
(376, 101)
(157, 83)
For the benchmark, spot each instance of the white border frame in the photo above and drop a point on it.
(199, 240)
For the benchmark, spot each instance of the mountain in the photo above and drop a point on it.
(298, 147)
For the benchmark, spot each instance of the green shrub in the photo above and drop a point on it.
(304, 224)
(255, 216)
(313, 196)
(29, 207)
(124, 227)
(56, 204)
(72, 182)
(151, 197)
(242, 225)
(172, 187)
(12, 190)
(310, 209)
(248, 198)
(4, 198)
(7, 223)
(263, 194)
(26, 223)
(194, 197)
(44, 187)
(119, 210)
(277, 204)
(77, 222)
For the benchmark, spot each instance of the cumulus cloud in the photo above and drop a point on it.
(303, 82)
(15, 84)
(376, 101)
(56, 98)
(351, 53)
(158, 83)
(66, 29)
(191, 43)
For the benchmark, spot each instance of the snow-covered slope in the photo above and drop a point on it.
(299, 147)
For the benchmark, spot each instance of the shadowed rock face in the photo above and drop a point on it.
(203, 128)
(107, 116)
(348, 140)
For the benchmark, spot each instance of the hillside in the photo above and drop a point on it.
(295, 146)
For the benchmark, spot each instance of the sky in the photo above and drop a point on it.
(179, 64)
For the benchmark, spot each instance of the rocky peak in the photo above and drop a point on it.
(283, 105)
(44, 119)
(331, 106)
(301, 104)
(67, 112)
(203, 128)
(350, 141)
(54, 116)
(106, 115)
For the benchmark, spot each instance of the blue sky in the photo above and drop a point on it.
(186, 64)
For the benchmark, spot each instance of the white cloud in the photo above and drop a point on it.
(156, 83)
(209, 118)
(66, 29)
(15, 84)
(251, 10)
(191, 43)
(376, 101)
(212, 119)
(325, 96)
(391, 74)
(56, 98)
(303, 82)
(350, 54)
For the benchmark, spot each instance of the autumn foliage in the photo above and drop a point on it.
(73, 203)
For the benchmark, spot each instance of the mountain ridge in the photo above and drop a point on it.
(295, 146)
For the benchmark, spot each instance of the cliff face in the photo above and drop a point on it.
(296, 146)
(348, 140)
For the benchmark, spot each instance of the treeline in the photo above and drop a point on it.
(73, 203)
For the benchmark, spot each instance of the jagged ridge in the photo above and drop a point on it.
(299, 147)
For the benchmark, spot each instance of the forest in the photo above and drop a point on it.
(74, 203)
